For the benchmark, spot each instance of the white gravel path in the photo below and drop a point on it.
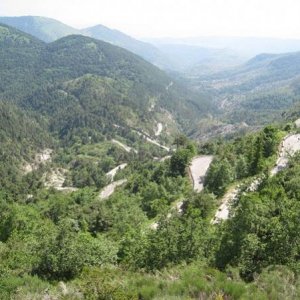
(40, 158)
(153, 141)
(165, 158)
(56, 178)
(112, 173)
(223, 210)
(109, 189)
(297, 123)
(198, 169)
(125, 147)
(169, 85)
(289, 146)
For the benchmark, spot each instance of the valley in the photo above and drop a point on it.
(146, 170)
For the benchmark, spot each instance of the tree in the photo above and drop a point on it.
(180, 141)
(257, 159)
(218, 176)
(271, 140)
(180, 161)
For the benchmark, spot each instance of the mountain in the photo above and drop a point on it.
(118, 38)
(93, 205)
(244, 46)
(259, 90)
(194, 60)
(49, 30)
(83, 80)
(87, 100)
(261, 70)
(45, 29)
(19, 55)
(22, 135)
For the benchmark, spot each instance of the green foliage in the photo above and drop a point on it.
(241, 158)
(263, 230)
(181, 159)
(219, 176)
(69, 251)
(20, 137)
(86, 173)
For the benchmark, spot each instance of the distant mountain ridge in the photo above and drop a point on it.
(258, 91)
(118, 38)
(45, 29)
(49, 30)
(195, 59)
(246, 46)
(267, 67)
(167, 57)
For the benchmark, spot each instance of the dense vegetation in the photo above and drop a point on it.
(82, 80)
(153, 237)
(257, 92)
(92, 245)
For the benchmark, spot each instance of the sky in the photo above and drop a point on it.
(170, 18)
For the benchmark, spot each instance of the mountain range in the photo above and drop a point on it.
(78, 81)
(244, 46)
(257, 90)
(49, 30)
(167, 57)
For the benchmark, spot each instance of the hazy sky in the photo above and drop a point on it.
(173, 18)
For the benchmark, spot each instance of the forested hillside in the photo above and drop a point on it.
(45, 29)
(21, 137)
(50, 30)
(154, 237)
(257, 92)
(68, 69)
(86, 92)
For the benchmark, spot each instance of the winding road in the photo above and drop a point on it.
(150, 140)
(125, 147)
(109, 189)
(223, 210)
(289, 146)
(198, 169)
(112, 173)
